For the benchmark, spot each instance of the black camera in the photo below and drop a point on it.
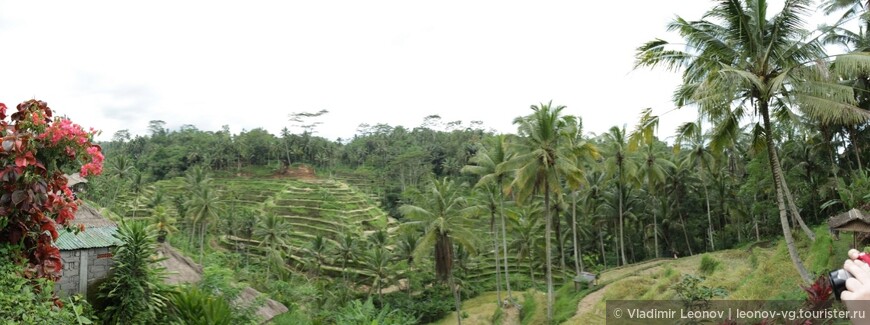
(838, 281)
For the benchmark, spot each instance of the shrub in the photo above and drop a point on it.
(708, 264)
(30, 301)
(693, 294)
(432, 304)
(529, 306)
(192, 306)
(365, 313)
(135, 293)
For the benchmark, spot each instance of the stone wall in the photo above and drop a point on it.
(99, 261)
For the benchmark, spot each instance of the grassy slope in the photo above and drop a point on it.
(747, 273)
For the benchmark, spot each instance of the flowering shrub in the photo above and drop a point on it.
(35, 152)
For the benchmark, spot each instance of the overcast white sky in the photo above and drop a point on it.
(117, 65)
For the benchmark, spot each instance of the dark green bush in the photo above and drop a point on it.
(365, 313)
(708, 264)
(135, 293)
(191, 306)
(432, 304)
(26, 301)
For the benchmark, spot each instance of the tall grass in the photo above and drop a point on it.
(530, 305)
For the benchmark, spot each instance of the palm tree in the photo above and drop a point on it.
(486, 202)
(273, 232)
(585, 151)
(163, 223)
(655, 166)
(317, 254)
(492, 181)
(407, 244)
(346, 249)
(527, 229)
(204, 206)
(543, 156)
(620, 165)
(736, 56)
(379, 261)
(443, 221)
(700, 156)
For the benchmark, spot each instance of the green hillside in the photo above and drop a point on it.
(758, 271)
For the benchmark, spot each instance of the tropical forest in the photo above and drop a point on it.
(758, 197)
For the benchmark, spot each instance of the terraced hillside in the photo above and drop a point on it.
(312, 207)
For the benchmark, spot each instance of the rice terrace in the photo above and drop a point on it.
(399, 163)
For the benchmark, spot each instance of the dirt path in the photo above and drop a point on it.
(511, 316)
(588, 303)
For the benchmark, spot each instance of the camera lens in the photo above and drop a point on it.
(838, 281)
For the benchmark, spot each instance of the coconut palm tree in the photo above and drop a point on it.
(485, 202)
(347, 249)
(542, 158)
(585, 152)
(700, 156)
(204, 206)
(163, 223)
(526, 226)
(655, 165)
(485, 165)
(739, 59)
(620, 164)
(379, 261)
(273, 232)
(441, 215)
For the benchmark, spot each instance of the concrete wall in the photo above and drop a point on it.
(97, 262)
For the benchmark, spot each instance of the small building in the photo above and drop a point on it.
(76, 182)
(86, 256)
(853, 220)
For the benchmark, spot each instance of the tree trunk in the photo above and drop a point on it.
(655, 219)
(507, 277)
(557, 224)
(577, 254)
(202, 240)
(621, 234)
(601, 245)
(793, 208)
(685, 233)
(547, 238)
(773, 160)
(494, 235)
(457, 301)
(857, 150)
(709, 219)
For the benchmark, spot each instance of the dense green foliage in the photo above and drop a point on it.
(193, 306)
(135, 293)
(30, 301)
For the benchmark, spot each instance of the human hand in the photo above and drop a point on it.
(857, 293)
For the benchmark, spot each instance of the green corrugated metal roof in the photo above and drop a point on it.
(90, 238)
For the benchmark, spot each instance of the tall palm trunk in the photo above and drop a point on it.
(601, 245)
(507, 275)
(709, 218)
(494, 234)
(655, 219)
(857, 150)
(202, 240)
(577, 254)
(621, 234)
(456, 299)
(547, 236)
(775, 168)
(793, 208)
